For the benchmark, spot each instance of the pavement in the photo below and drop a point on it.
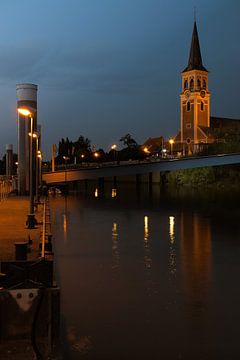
(13, 216)
(27, 316)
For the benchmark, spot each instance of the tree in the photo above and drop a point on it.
(128, 141)
(82, 145)
(77, 150)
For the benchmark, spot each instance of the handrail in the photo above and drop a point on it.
(44, 228)
(6, 186)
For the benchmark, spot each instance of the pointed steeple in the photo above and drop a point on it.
(195, 58)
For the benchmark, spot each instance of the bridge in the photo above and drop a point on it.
(129, 168)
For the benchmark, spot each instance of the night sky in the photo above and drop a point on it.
(110, 67)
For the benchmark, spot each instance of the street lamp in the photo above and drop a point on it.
(65, 158)
(36, 137)
(114, 147)
(39, 160)
(31, 220)
(171, 142)
(145, 149)
(38, 157)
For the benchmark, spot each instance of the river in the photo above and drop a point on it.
(148, 274)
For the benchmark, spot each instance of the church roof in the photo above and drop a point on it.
(224, 123)
(195, 58)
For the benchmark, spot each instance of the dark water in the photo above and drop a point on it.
(148, 274)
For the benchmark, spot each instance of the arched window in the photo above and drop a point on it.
(204, 84)
(202, 105)
(199, 83)
(188, 106)
(191, 84)
(185, 84)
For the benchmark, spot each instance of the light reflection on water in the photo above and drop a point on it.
(115, 250)
(145, 276)
(172, 249)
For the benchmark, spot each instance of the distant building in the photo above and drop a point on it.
(154, 145)
(196, 125)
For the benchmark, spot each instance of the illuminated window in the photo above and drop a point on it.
(198, 83)
(188, 106)
(202, 105)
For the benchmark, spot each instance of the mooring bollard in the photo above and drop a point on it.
(21, 250)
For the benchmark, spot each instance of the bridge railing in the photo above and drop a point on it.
(95, 165)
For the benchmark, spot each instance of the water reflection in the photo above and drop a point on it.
(146, 228)
(65, 225)
(196, 256)
(172, 228)
(65, 219)
(172, 249)
(114, 193)
(115, 251)
(147, 250)
(165, 288)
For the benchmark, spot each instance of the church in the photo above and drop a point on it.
(197, 126)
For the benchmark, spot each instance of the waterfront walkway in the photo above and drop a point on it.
(13, 216)
(29, 302)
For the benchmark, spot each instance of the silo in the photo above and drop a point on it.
(9, 159)
(26, 98)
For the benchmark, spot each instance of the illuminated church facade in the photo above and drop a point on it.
(196, 124)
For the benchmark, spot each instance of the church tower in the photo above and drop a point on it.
(195, 98)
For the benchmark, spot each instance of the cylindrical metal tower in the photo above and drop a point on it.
(27, 98)
(9, 159)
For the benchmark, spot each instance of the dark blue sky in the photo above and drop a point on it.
(110, 67)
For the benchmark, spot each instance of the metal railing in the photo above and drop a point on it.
(46, 236)
(7, 185)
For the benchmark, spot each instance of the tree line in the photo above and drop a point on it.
(82, 151)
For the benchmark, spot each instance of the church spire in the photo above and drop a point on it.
(195, 58)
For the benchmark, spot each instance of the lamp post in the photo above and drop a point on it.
(114, 147)
(39, 160)
(146, 150)
(96, 155)
(171, 142)
(65, 158)
(37, 157)
(31, 220)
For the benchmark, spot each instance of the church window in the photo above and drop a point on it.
(204, 84)
(188, 106)
(185, 84)
(188, 125)
(199, 83)
(202, 105)
(191, 84)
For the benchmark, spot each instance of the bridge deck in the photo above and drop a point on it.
(133, 168)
